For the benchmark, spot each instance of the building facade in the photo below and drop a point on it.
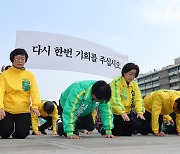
(166, 78)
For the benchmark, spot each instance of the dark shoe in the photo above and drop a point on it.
(60, 130)
(135, 132)
(76, 132)
(33, 133)
(100, 129)
(42, 131)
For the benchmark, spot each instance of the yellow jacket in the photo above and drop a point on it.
(124, 96)
(167, 118)
(34, 117)
(17, 86)
(161, 103)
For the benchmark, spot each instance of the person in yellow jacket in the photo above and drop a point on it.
(158, 104)
(17, 89)
(125, 94)
(49, 112)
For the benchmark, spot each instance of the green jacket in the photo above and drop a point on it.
(76, 101)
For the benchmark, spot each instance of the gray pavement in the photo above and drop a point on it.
(89, 144)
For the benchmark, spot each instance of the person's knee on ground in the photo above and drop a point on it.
(60, 129)
(145, 131)
(136, 126)
(90, 128)
(120, 132)
(6, 132)
(5, 136)
(127, 133)
(20, 135)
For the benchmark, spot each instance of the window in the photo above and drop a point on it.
(174, 84)
(141, 79)
(141, 85)
(148, 77)
(156, 88)
(148, 84)
(173, 77)
(173, 69)
(155, 75)
(149, 90)
(155, 82)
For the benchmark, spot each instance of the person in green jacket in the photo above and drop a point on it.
(77, 103)
(18, 90)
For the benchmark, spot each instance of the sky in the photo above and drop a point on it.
(145, 30)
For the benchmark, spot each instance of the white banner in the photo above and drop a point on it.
(61, 52)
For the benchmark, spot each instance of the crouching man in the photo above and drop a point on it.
(49, 112)
(158, 104)
(76, 104)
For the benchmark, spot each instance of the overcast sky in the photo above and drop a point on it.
(145, 30)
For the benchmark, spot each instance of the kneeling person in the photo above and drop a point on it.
(158, 104)
(49, 112)
(76, 104)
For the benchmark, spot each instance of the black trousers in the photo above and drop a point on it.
(85, 122)
(47, 124)
(17, 125)
(146, 124)
(121, 127)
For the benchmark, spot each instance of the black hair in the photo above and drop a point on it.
(16, 52)
(48, 107)
(2, 68)
(128, 67)
(7, 67)
(54, 103)
(101, 90)
(178, 103)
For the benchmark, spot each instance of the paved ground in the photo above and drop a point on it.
(89, 144)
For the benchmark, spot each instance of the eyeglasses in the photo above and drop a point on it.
(23, 59)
